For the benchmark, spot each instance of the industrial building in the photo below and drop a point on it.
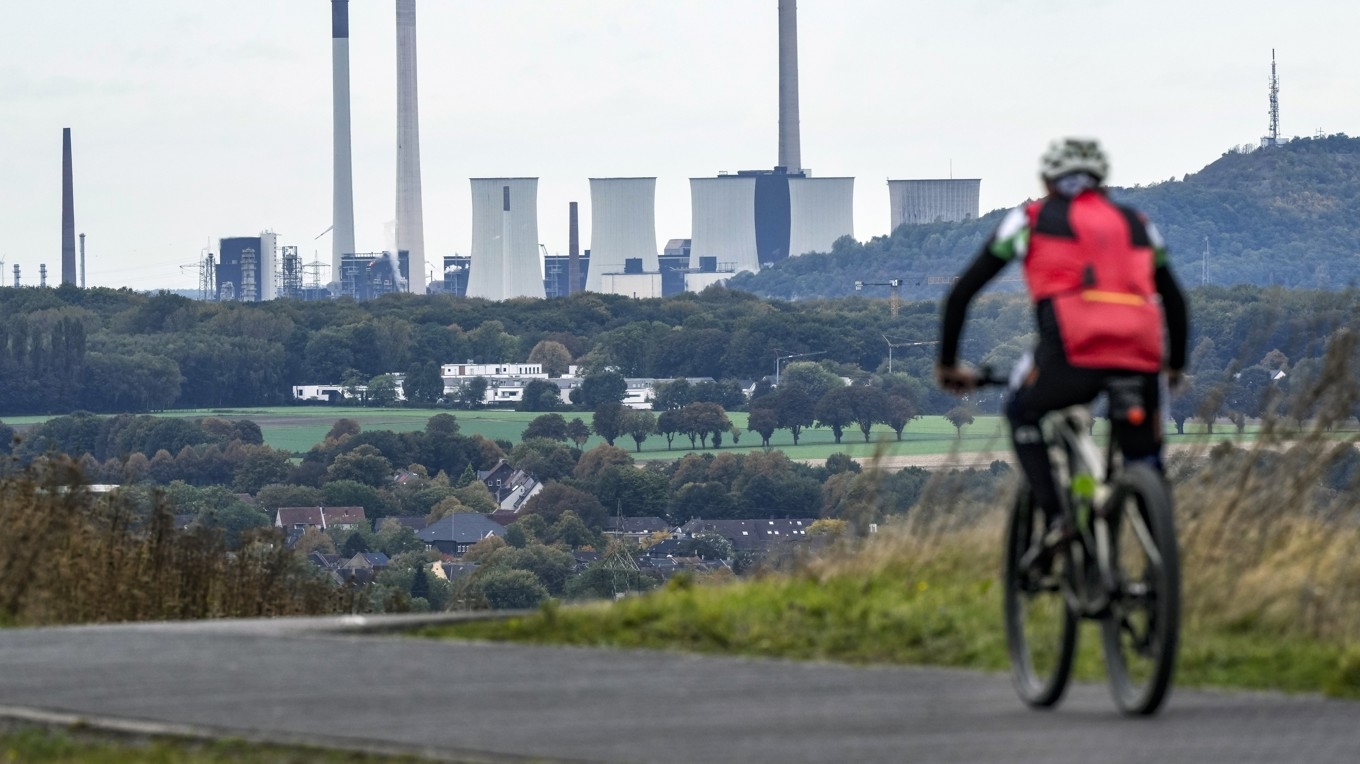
(934, 201)
(505, 252)
(247, 268)
(366, 276)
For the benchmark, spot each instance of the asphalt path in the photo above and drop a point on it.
(335, 682)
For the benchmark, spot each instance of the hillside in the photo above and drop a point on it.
(1285, 216)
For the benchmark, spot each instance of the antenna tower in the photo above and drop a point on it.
(1274, 136)
(207, 278)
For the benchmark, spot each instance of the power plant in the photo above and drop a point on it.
(741, 221)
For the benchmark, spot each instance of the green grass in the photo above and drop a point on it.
(934, 614)
(42, 746)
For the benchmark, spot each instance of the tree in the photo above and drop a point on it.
(870, 406)
(763, 421)
(540, 395)
(707, 420)
(550, 426)
(836, 409)
(364, 464)
(558, 498)
(671, 396)
(900, 411)
(608, 421)
(602, 388)
(794, 409)
(553, 356)
(579, 432)
(473, 392)
(639, 425)
(813, 379)
(510, 589)
(668, 423)
(423, 383)
(960, 416)
(420, 585)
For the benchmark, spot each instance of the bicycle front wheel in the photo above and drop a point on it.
(1041, 630)
(1141, 632)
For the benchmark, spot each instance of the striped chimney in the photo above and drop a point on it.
(410, 212)
(342, 237)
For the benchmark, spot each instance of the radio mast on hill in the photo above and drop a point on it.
(1273, 138)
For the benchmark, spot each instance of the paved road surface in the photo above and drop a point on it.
(310, 679)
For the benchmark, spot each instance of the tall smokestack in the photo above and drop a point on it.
(342, 237)
(68, 212)
(82, 261)
(410, 213)
(573, 250)
(790, 147)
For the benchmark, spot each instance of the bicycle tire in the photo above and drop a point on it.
(1141, 633)
(1041, 629)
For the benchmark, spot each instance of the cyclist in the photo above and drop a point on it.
(1094, 270)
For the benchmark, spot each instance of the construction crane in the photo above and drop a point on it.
(895, 301)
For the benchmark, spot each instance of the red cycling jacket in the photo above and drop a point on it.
(1094, 261)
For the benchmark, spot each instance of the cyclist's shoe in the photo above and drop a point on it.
(1039, 558)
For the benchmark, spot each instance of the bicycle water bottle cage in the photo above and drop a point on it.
(1126, 400)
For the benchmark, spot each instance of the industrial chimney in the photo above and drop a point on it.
(342, 237)
(410, 213)
(790, 148)
(68, 212)
(82, 261)
(573, 250)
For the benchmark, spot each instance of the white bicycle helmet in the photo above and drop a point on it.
(1070, 155)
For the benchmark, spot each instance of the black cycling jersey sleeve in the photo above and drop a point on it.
(979, 272)
(1177, 321)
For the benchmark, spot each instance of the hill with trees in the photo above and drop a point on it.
(1283, 216)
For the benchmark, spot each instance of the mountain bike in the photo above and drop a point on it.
(1119, 567)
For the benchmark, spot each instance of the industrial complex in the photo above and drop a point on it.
(740, 221)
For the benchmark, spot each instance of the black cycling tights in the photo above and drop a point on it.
(1056, 385)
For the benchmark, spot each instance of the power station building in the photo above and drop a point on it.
(505, 252)
(933, 201)
(761, 217)
(247, 268)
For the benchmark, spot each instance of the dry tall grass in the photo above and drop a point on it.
(1269, 527)
(69, 556)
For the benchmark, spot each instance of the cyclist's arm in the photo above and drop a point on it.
(1173, 300)
(1007, 242)
(979, 272)
(1177, 321)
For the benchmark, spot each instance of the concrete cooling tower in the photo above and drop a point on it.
(622, 227)
(821, 210)
(933, 201)
(505, 256)
(723, 225)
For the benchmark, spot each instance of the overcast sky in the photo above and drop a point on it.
(195, 120)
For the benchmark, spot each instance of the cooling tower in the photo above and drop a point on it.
(933, 201)
(68, 212)
(790, 148)
(501, 269)
(342, 236)
(410, 212)
(724, 221)
(622, 227)
(821, 210)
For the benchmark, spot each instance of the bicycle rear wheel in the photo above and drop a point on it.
(1041, 631)
(1141, 633)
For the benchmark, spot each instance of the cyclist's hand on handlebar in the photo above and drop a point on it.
(956, 379)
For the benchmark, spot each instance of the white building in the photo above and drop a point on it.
(934, 201)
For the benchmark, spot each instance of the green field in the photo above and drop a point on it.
(297, 428)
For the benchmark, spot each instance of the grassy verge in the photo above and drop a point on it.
(42, 746)
(1271, 588)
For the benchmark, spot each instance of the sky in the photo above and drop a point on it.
(196, 120)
